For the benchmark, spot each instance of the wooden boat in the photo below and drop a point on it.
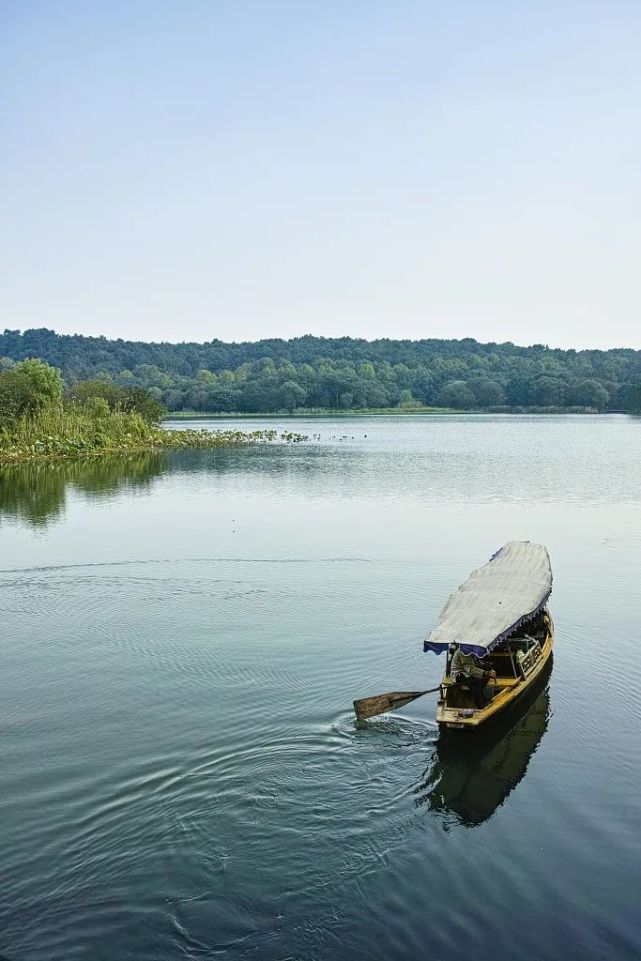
(500, 614)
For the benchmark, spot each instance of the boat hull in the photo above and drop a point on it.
(510, 691)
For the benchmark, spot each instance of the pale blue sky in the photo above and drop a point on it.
(197, 168)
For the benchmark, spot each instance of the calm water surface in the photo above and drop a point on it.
(183, 635)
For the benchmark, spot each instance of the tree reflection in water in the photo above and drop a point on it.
(36, 492)
(472, 774)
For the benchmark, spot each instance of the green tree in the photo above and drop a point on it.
(456, 394)
(633, 395)
(28, 388)
(149, 375)
(423, 387)
(487, 392)
(548, 392)
(376, 396)
(141, 401)
(84, 391)
(590, 393)
(291, 395)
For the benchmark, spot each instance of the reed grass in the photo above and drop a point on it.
(74, 432)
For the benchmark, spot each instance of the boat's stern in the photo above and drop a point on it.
(465, 718)
(454, 708)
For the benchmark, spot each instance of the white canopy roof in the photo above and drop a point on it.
(495, 599)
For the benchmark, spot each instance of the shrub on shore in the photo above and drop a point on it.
(36, 421)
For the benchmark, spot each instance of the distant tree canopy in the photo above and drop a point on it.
(317, 372)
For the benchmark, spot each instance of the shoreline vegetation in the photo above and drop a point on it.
(304, 413)
(39, 421)
(71, 434)
(42, 417)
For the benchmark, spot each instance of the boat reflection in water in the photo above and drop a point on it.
(471, 776)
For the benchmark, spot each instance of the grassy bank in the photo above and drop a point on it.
(302, 413)
(74, 432)
(313, 412)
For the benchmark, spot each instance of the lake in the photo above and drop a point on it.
(183, 636)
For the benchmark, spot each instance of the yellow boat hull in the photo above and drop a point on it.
(510, 690)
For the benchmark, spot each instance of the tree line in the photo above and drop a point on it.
(333, 373)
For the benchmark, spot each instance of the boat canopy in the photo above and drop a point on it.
(495, 600)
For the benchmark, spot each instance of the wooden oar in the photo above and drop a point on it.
(371, 706)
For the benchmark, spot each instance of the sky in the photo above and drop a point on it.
(202, 169)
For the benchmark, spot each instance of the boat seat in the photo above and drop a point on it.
(450, 682)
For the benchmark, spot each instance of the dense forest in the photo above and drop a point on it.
(342, 373)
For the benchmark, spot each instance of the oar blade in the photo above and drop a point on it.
(371, 706)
